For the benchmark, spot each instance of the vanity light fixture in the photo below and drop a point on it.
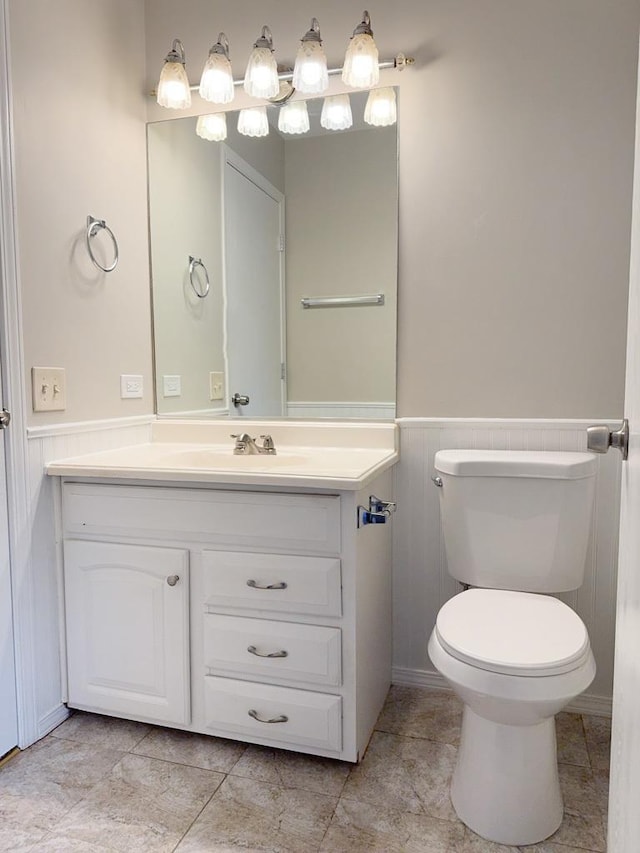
(261, 77)
(253, 122)
(336, 113)
(173, 86)
(216, 83)
(212, 127)
(380, 110)
(294, 117)
(310, 74)
(361, 69)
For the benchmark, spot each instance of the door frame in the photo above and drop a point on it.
(14, 389)
(229, 157)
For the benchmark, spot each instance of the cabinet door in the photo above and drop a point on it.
(127, 629)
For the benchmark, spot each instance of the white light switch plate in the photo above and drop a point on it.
(216, 385)
(130, 386)
(49, 389)
(171, 386)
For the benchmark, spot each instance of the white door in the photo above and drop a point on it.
(8, 712)
(624, 811)
(253, 216)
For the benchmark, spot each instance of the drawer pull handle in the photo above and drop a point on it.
(256, 585)
(253, 651)
(172, 580)
(281, 719)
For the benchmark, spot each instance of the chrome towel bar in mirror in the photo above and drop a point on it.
(93, 227)
(193, 263)
(341, 301)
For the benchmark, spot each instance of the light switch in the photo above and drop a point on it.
(48, 389)
(216, 385)
(130, 386)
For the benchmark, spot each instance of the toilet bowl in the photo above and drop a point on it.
(516, 527)
(515, 659)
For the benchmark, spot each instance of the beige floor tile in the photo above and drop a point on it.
(601, 782)
(551, 847)
(293, 770)
(579, 790)
(96, 729)
(195, 750)
(572, 744)
(475, 844)
(145, 805)
(18, 835)
(41, 784)
(420, 712)
(249, 815)
(598, 734)
(64, 844)
(585, 832)
(408, 774)
(364, 828)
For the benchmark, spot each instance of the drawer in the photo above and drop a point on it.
(249, 519)
(282, 651)
(299, 717)
(279, 583)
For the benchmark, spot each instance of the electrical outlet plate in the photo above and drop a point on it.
(216, 385)
(130, 386)
(49, 390)
(171, 386)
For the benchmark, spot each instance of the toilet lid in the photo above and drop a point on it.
(515, 633)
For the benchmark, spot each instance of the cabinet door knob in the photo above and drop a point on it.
(172, 580)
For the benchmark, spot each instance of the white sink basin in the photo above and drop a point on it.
(215, 458)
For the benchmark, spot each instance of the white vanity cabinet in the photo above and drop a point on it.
(259, 615)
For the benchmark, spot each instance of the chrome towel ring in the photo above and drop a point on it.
(193, 263)
(93, 226)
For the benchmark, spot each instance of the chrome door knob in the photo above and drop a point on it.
(172, 580)
(600, 438)
(240, 400)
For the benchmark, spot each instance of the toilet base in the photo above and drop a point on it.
(505, 785)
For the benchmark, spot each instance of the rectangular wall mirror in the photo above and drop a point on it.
(274, 269)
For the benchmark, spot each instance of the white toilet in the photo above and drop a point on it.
(515, 525)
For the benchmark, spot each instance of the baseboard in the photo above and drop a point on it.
(586, 703)
(49, 722)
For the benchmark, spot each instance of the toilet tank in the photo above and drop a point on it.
(515, 519)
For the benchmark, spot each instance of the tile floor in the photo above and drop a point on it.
(98, 785)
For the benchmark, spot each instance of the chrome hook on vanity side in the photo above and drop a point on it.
(378, 513)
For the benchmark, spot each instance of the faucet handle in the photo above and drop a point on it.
(267, 442)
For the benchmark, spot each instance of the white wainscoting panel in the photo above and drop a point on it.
(44, 445)
(366, 411)
(421, 581)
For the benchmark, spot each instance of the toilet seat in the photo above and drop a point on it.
(513, 633)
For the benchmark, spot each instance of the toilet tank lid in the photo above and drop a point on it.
(552, 464)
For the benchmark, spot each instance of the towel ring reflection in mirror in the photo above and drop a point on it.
(193, 278)
(93, 227)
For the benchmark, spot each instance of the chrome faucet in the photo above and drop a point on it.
(247, 446)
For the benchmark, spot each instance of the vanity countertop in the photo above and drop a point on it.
(343, 456)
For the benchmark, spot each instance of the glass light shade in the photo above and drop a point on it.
(380, 110)
(253, 122)
(310, 71)
(216, 83)
(212, 127)
(360, 68)
(261, 76)
(294, 117)
(173, 87)
(336, 113)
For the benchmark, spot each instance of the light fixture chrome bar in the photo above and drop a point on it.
(341, 301)
(400, 62)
